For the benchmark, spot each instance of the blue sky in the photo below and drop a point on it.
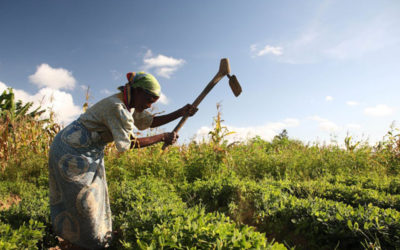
(320, 69)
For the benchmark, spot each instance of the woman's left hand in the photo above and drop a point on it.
(188, 110)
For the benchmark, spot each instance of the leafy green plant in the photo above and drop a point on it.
(27, 236)
(211, 194)
(388, 150)
(152, 216)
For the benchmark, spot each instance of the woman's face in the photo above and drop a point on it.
(142, 100)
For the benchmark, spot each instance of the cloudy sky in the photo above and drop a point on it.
(320, 69)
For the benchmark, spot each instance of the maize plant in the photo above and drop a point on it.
(21, 128)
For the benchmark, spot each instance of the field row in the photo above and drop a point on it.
(380, 183)
(219, 213)
(354, 195)
(147, 214)
(302, 221)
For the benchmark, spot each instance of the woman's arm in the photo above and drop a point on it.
(169, 138)
(163, 119)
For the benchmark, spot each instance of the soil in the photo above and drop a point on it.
(9, 201)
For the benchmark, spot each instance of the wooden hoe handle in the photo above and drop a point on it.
(223, 71)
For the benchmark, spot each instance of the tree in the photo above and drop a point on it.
(282, 135)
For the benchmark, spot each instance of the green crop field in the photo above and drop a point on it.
(281, 194)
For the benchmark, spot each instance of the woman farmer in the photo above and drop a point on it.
(79, 203)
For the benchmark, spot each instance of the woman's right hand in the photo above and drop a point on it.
(170, 138)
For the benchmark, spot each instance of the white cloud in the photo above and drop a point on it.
(353, 126)
(163, 99)
(164, 66)
(380, 32)
(329, 126)
(322, 39)
(55, 78)
(165, 72)
(3, 87)
(266, 132)
(325, 124)
(60, 102)
(291, 122)
(329, 98)
(267, 49)
(379, 110)
(19, 94)
(352, 103)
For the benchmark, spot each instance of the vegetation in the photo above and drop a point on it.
(214, 195)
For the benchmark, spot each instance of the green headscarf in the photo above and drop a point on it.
(145, 81)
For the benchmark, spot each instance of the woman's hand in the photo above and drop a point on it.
(188, 110)
(170, 138)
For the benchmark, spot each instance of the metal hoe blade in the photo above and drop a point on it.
(235, 86)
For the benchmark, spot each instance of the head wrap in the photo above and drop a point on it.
(145, 81)
(142, 80)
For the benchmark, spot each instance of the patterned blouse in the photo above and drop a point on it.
(112, 120)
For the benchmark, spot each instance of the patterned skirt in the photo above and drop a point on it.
(79, 204)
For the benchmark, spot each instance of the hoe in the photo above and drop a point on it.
(224, 70)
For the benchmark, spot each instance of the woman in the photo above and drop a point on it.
(79, 203)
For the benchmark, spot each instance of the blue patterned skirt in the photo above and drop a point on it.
(79, 204)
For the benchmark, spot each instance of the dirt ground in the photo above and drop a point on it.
(9, 201)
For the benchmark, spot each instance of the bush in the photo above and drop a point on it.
(150, 215)
(27, 236)
(33, 208)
